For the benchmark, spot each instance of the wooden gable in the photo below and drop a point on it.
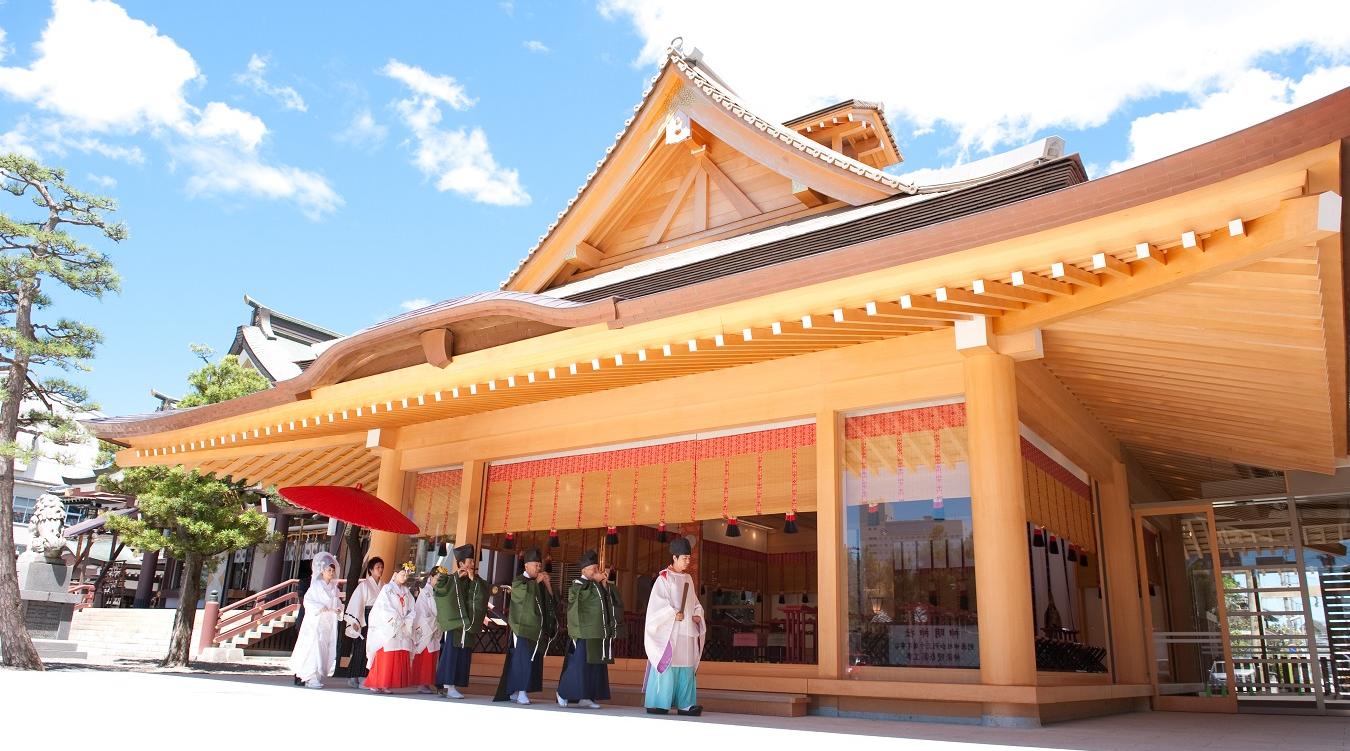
(689, 192)
(727, 173)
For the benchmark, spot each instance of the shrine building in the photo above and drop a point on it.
(1013, 448)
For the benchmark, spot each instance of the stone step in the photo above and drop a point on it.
(55, 645)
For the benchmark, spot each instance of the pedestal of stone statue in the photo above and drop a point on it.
(47, 605)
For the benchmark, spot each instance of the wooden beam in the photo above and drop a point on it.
(438, 346)
(1003, 291)
(1109, 264)
(966, 297)
(895, 310)
(662, 224)
(1148, 252)
(869, 147)
(807, 195)
(924, 303)
(1040, 284)
(744, 206)
(701, 201)
(583, 256)
(1297, 223)
(1074, 275)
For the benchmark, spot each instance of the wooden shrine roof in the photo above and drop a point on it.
(1154, 336)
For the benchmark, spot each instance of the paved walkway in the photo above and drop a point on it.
(197, 711)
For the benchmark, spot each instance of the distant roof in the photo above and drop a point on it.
(846, 104)
(279, 346)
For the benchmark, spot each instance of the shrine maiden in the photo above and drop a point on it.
(358, 607)
(315, 651)
(533, 624)
(594, 612)
(674, 636)
(426, 634)
(389, 643)
(461, 611)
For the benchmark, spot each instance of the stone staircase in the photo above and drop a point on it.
(124, 633)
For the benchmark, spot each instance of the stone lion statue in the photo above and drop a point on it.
(47, 527)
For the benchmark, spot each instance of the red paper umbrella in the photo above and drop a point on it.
(351, 505)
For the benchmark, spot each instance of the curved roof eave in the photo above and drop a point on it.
(327, 367)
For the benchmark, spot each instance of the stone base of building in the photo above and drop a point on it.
(972, 713)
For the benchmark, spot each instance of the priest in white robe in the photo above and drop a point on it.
(674, 637)
(315, 651)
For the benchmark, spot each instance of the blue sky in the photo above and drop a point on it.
(337, 160)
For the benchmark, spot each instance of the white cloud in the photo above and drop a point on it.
(253, 78)
(91, 145)
(415, 303)
(459, 160)
(993, 72)
(219, 169)
(99, 72)
(1254, 96)
(4, 50)
(17, 141)
(363, 131)
(221, 122)
(441, 88)
(107, 182)
(534, 45)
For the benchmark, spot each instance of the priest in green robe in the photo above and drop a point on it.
(533, 625)
(461, 612)
(594, 616)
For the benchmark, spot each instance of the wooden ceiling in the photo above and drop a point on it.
(342, 464)
(1211, 380)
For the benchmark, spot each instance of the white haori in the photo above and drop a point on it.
(391, 622)
(426, 631)
(684, 638)
(363, 597)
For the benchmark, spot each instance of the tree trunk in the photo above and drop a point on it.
(180, 646)
(16, 647)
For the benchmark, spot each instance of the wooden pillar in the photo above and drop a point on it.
(1117, 560)
(389, 490)
(832, 614)
(469, 523)
(1002, 566)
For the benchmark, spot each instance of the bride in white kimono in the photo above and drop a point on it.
(389, 645)
(315, 651)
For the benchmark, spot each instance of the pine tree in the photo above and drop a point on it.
(35, 250)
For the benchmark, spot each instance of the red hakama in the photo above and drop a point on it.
(424, 668)
(390, 670)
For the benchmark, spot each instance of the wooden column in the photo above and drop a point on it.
(469, 522)
(1002, 575)
(1117, 561)
(389, 490)
(832, 614)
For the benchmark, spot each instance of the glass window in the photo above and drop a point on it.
(23, 509)
(1066, 594)
(908, 536)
